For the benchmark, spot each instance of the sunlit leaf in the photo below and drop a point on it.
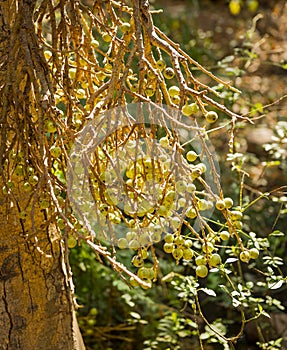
(208, 291)
(277, 285)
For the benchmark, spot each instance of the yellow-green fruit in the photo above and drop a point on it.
(209, 205)
(211, 117)
(201, 167)
(108, 67)
(228, 202)
(169, 238)
(170, 196)
(187, 254)
(224, 235)
(116, 219)
(156, 237)
(137, 261)
(101, 76)
(168, 247)
(200, 260)
(30, 170)
(23, 215)
(95, 43)
(168, 73)
(122, 243)
(143, 272)
(234, 7)
(130, 235)
(208, 246)
(181, 202)
(84, 85)
(50, 127)
(55, 151)
(131, 223)
(254, 253)
(175, 99)
(175, 222)
(81, 93)
(162, 210)
(173, 91)
(27, 187)
(144, 239)
(47, 54)
(220, 204)
(134, 244)
(177, 253)
(72, 73)
(44, 204)
(189, 109)
(150, 273)
(244, 256)
(191, 213)
(201, 271)
(89, 331)
(191, 156)
(149, 92)
(151, 74)
(180, 186)
(252, 5)
(133, 282)
(91, 322)
(106, 37)
(135, 87)
(72, 242)
(186, 110)
(238, 225)
(157, 229)
(161, 64)
(144, 253)
(178, 240)
(61, 223)
(190, 188)
(93, 311)
(202, 204)
(125, 27)
(236, 215)
(19, 170)
(214, 260)
(195, 173)
(164, 141)
(104, 209)
(188, 243)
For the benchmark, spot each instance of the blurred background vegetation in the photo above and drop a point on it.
(244, 42)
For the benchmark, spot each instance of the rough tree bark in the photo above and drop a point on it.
(36, 307)
(36, 304)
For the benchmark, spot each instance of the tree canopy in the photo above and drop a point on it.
(109, 140)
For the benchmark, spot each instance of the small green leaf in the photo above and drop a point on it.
(208, 291)
(135, 315)
(264, 313)
(277, 285)
(230, 260)
(277, 233)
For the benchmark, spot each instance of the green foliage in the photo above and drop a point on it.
(271, 345)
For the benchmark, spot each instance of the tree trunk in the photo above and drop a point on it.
(36, 307)
(36, 303)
